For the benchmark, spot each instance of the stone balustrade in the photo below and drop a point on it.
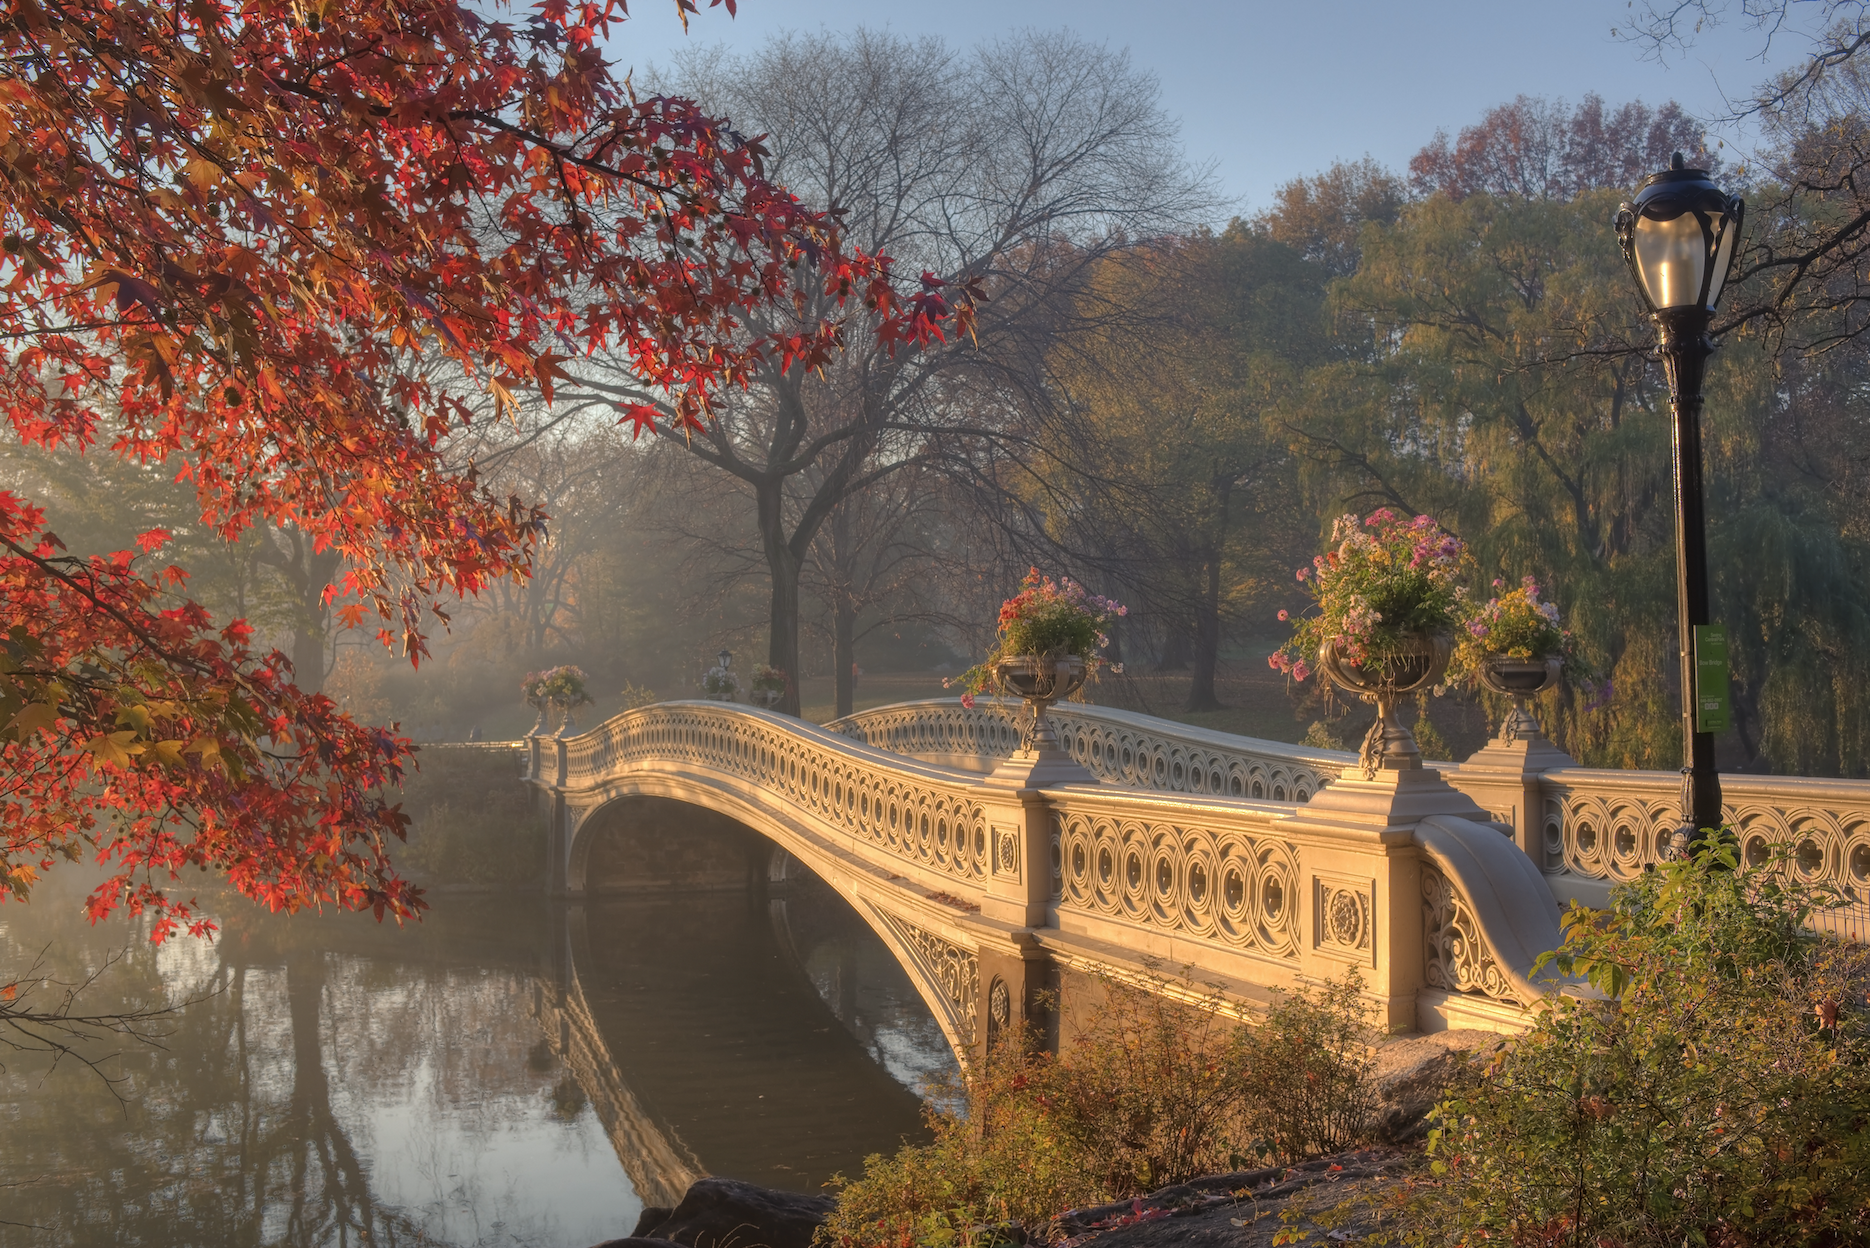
(1586, 828)
(1118, 747)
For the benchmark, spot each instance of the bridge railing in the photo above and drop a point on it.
(1252, 890)
(1118, 747)
(1597, 825)
(916, 812)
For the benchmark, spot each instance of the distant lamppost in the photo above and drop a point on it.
(726, 658)
(1678, 235)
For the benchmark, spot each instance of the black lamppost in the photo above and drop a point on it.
(1678, 236)
(726, 657)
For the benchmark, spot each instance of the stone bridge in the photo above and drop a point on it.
(996, 876)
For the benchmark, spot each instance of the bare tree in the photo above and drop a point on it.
(1005, 172)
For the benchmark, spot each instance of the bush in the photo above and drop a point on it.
(1152, 1091)
(1719, 1095)
(473, 823)
(1308, 1073)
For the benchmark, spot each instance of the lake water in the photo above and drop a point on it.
(507, 1072)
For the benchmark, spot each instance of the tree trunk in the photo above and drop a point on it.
(783, 565)
(1201, 695)
(844, 652)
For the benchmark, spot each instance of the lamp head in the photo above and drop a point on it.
(1678, 236)
(726, 657)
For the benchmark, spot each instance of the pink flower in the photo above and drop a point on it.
(1300, 671)
(967, 700)
(1284, 614)
(1304, 572)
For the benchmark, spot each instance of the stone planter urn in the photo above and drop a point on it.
(768, 698)
(538, 725)
(1041, 679)
(1389, 746)
(568, 727)
(1519, 679)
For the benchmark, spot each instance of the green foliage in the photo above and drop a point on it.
(1719, 1094)
(1428, 737)
(1157, 1087)
(1493, 384)
(473, 824)
(1321, 735)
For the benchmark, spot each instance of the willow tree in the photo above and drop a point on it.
(1169, 470)
(1506, 392)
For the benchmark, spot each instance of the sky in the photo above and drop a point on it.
(1269, 92)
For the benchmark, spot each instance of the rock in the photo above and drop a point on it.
(1240, 1210)
(726, 1213)
(653, 1217)
(1414, 1072)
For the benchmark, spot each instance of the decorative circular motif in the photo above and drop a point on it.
(1344, 919)
(999, 1005)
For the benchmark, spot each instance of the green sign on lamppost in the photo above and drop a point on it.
(1678, 236)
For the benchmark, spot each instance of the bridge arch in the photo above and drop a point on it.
(972, 881)
(695, 819)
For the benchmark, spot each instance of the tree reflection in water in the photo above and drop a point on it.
(343, 1085)
(346, 1084)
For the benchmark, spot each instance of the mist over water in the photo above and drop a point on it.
(341, 1082)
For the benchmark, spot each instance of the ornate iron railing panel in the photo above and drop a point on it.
(1230, 878)
(1613, 825)
(1118, 747)
(910, 810)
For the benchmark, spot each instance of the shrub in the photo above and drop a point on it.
(1308, 1072)
(1004, 1161)
(1150, 1092)
(1719, 1095)
(473, 823)
(1153, 1090)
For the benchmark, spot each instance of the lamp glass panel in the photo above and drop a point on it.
(1671, 257)
(1722, 257)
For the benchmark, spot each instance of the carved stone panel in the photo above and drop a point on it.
(1457, 956)
(1006, 852)
(1344, 918)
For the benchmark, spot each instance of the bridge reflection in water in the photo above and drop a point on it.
(754, 1029)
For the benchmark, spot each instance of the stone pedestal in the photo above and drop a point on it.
(1361, 899)
(1503, 779)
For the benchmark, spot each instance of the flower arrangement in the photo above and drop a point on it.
(1045, 617)
(768, 679)
(563, 687)
(1385, 581)
(1518, 625)
(720, 684)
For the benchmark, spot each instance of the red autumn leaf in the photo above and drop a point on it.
(245, 237)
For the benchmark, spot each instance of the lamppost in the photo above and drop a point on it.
(726, 658)
(1678, 236)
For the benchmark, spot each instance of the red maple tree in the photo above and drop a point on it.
(237, 236)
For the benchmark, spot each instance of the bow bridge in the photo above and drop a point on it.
(996, 874)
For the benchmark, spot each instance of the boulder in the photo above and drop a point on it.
(1414, 1072)
(653, 1217)
(726, 1213)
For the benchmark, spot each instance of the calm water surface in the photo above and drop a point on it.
(507, 1072)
